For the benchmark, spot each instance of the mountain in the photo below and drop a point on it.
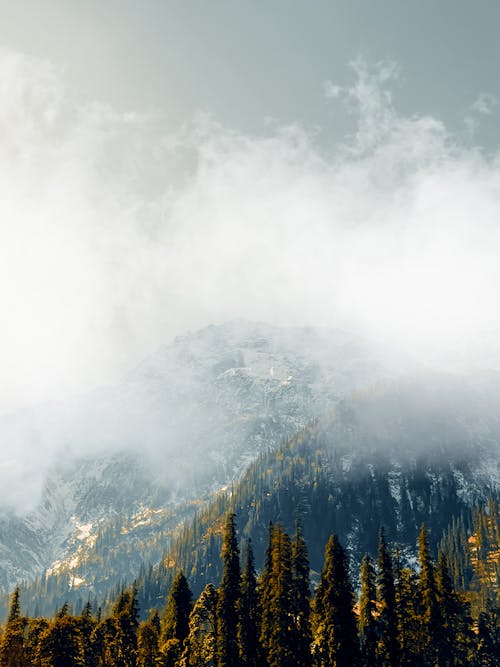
(412, 452)
(110, 472)
(403, 453)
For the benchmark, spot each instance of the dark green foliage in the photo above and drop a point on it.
(15, 606)
(147, 644)
(408, 610)
(335, 634)
(12, 652)
(301, 600)
(418, 617)
(429, 611)
(62, 644)
(179, 605)
(229, 595)
(368, 627)
(200, 647)
(388, 644)
(249, 612)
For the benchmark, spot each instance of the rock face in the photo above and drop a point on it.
(133, 459)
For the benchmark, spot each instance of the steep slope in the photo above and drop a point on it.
(409, 452)
(184, 423)
(419, 452)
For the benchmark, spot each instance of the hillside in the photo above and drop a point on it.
(128, 462)
(408, 453)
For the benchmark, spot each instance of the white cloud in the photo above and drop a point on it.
(115, 235)
(485, 104)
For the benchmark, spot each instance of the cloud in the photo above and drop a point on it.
(117, 232)
(485, 104)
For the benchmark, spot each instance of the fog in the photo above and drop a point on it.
(117, 232)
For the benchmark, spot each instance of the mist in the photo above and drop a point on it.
(118, 233)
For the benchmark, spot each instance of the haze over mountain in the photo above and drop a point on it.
(183, 423)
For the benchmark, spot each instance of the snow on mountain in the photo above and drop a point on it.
(183, 423)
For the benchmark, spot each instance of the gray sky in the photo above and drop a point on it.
(247, 61)
(165, 165)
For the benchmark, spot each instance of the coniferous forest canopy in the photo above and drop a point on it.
(387, 613)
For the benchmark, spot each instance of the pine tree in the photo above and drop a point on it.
(266, 590)
(126, 615)
(36, 627)
(430, 617)
(387, 647)
(200, 647)
(453, 635)
(61, 644)
(147, 644)
(229, 595)
(176, 621)
(12, 653)
(301, 600)
(368, 630)
(335, 636)
(408, 614)
(15, 606)
(280, 650)
(249, 612)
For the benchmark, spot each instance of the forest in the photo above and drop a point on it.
(389, 613)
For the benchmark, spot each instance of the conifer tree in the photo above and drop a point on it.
(266, 589)
(126, 615)
(61, 644)
(335, 636)
(200, 647)
(176, 621)
(229, 595)
(147, 644)
(301, 600)
(36, 627)
(453, 635)
(430, 617)
(387, 647)
(280, 650)
(15, 606)
(368, 631)
(12, 652)
(408, 614)
(249, 612)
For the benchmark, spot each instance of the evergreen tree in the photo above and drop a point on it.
(229, 595)
(301, 600)
(249, 612)
(126, 616)
(454, 638)
(408, 615)
(12, 652)
(15, 606)
(36, 627)
(147, 644)
(368, 631)
(430, 617)
(176, 621)
(335, 636)
(61, 644)
(200, 647)
(280, 649)
(266, 589)
(387, 647)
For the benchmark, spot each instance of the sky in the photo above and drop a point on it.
(167, 165)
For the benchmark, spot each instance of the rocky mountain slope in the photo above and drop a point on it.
(126, 463)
